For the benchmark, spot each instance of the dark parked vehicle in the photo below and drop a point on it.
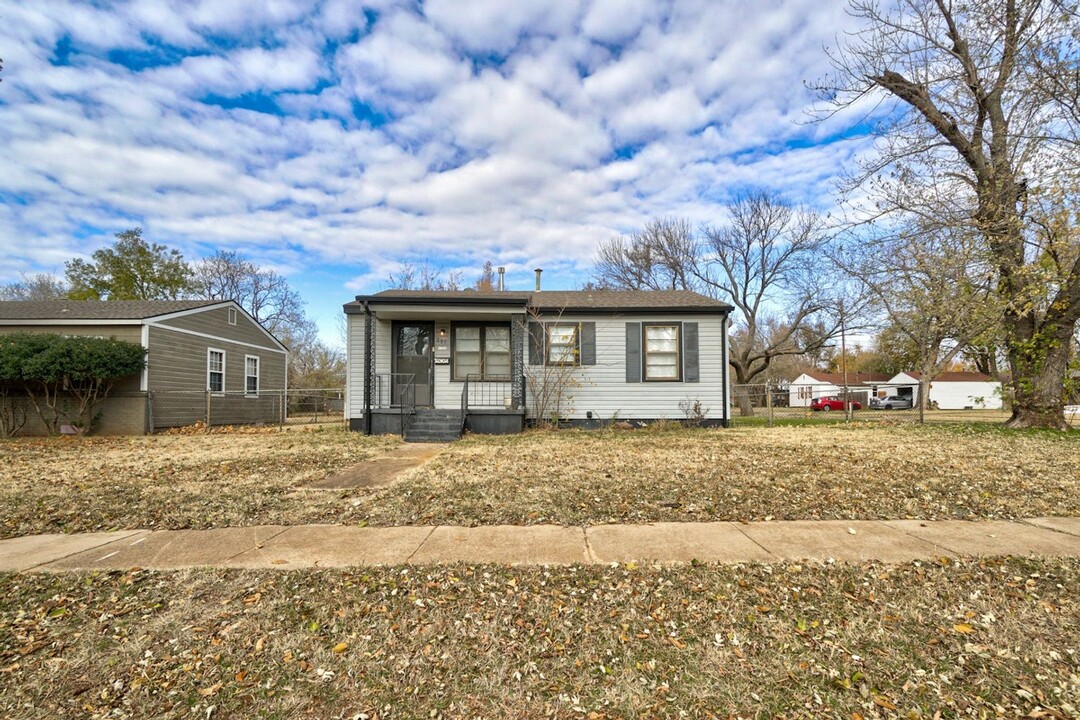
(833, 403)
(893, 402)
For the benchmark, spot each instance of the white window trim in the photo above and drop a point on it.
(223, 358)
(258, 375)
(232, 316)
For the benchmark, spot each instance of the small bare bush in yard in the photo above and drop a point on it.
(694, 411)
(663, 425)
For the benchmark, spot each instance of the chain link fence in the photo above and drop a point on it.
(768, 405)
(307, 406)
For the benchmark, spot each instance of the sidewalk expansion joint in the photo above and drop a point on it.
(928, 541)
(590, 556)
(79, 552)
(738, 526)
(1029, 523)
(422, 543)
(284, 530)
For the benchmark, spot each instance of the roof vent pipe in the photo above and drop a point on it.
(538, 272)
(502, 278)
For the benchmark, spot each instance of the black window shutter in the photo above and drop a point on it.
(587, 338)
(691, 366)
(633, 352)
(536, 343)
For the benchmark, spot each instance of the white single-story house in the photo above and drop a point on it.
(951, 390)
(813, 384)
(428, 364)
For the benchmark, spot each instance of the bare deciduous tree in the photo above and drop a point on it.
(38, 286)
(984, 127)
(933, 287)
(226, 275)
(767, 261)
(661, 256)
(423, 277)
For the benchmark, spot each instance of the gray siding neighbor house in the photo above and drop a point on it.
(193, 347)
(431, 363)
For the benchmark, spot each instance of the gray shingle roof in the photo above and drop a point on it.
(560, 299)
(95, 309)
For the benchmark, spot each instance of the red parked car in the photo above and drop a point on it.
(833, 403)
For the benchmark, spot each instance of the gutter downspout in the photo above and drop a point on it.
(725, 372)
(368, 348)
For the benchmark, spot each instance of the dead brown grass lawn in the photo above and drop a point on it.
(861, 471)
(994, 638)
(173, 481)
(814, 472)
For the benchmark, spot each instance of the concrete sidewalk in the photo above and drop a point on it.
(306, 546)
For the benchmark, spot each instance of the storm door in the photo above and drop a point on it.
(413, 362)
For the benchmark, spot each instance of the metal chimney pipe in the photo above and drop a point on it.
(502, 278)
(538, 272)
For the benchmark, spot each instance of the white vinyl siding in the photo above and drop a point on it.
(354, 371)
(215, 370)
(602, 388)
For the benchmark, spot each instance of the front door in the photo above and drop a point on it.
(412, 357)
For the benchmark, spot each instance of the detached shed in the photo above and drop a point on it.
(812, 385)
(956, 390)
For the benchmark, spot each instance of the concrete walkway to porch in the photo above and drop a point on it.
(307, 546)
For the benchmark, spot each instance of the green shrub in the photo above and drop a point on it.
(66, 378)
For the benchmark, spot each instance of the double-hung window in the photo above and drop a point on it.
(215, 370)
(251, 375)
(661, 344)
(482, 350)
(562, 344)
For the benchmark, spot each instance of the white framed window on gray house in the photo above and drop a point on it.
(661, 350)
(481, 350)
(215, 370)
(232, 316)
(563, 344)
(251, 375)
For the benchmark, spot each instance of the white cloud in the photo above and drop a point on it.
(497, 26)
(452, 155)
(615, 21)
(402, 55)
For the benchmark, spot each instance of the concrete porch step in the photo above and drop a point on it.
(432, 425)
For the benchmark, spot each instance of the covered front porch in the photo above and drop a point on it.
(431, 370)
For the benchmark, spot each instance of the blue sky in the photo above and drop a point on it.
(333, 140)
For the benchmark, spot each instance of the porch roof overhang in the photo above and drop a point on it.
(481, 307)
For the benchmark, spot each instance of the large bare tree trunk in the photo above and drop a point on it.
(1038, 366)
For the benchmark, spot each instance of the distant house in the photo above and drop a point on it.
(812, 385)
(951, 390)
(437, 361)
(193, 347)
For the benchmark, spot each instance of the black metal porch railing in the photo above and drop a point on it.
(488, 392)
(395, 390)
